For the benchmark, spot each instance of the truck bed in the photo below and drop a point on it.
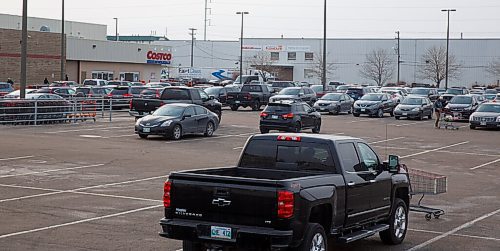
(254, 173)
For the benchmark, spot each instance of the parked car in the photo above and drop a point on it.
(140, 107)
(93, 92)
(226, 82)
(305, 94)
(176, 120)
(246, 79)
(490, 97)
(118, 83)
(414, 106)
(151, 93)
(452, 92)
(486, 115)
(430, 93)
(357, 92)
(394, 88)
(335, 84)
(441, 91)
(480, 98)
(343, 88)
(220, 92)
(289, 192)
(65, 92)
(64, 84)
(94, 82)
(277, 86)
(15, 94)
(374, 104)
(121, 96)
(318, 89)
(490, 91)
(136, 84)
(157, 84)
(5, 88)
(251, 95)
(461, 106)
(290, 116)
(396, 95)
(334, 103)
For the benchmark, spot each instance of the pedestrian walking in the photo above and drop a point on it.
(438, 109)
(46, 81)
(9, 80)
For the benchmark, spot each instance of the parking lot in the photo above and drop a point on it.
(97, 186)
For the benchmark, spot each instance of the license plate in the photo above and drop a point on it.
(363, 110)
(455, 114)
(146, 129)
(274, 117)
(237, 102)
(322, 109)
(483, 123)
(405, 113)
(220, 232)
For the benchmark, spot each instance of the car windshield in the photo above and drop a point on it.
(4, 86)
(454, 91)
(418, 91)
(412, 101)
(331, 97)
(490, 91)
(317, 88)
(137, 90)
(289, 91)
(119, 91)
(489, 108)
(213, 90)
(278, 108)
(372, 97)
(461, 100)
(169, 110)
(342, 87)
(251, 88)
(490, 96)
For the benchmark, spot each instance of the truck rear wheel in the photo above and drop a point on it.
(234, 108)
(191, 246)
(314, 239)
(398, 224)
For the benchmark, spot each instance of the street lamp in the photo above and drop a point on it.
(399, 56)
(24, 50)
(447, 44)
(242, 13)
(192, 44)
(323, 73)
(63, 41)
(116, 28)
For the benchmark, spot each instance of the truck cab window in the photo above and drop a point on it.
(349, 158)
(369, 157)
(203, 95)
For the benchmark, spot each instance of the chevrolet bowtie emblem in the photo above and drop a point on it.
(221, 202)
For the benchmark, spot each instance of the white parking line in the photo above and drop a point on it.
(120, 136)
(87, 129)
(443, 151)
(214, 137)
(78, 222)
(434, 150)
(50, 171)
(386, 140)
(453, 231)
(239, 147)
(16, 158)
(459, 235)
(362, 120)
(485, 164)
(407, 124)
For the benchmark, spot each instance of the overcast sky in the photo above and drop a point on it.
(274, 18)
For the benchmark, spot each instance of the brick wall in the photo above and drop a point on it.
(44, 56)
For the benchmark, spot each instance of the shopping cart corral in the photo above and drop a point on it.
(426, 183)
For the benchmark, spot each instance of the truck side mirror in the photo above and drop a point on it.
(393, 165)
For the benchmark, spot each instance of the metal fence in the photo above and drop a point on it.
(47, 111)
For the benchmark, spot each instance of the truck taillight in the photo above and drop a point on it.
(263, 114)
(130, 104)
(127, 95)
(285, 204)
(166, 194)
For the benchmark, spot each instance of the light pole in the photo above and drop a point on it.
(116, 28)
(63, 41)
(24, 50)
(323, 72)
(399, 55)
(242, 13)
(447, 44)
(192, 44)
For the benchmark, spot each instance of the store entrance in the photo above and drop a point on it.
(129, 76)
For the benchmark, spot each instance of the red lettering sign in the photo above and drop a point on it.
(159, 56)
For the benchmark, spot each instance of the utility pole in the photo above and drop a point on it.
(323, 73)
(447, 44)
(242, 13)
(24, 50)
(192, 33)
(206, 20)
(63, 42)
(399, 57)
(116, 29)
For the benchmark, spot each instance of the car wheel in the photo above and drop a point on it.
(219, 115)
(234, 108)
(337, 111)
(398, 224)
(429, 116)
(314, 239)
(317, 127)
(143, 136)
(264, 131)
(355, 114)
(209, 130)
(397, 117)
(349, 111)
(256, 105)
(472, 127)
(391, 113)
(176, 132)
(297, 127)
(421, 116)
(191, 246)
(380, 113)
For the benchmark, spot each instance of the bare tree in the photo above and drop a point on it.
(379, 66)
(494, 68)
(316, 71)
(263, 63)
(435, 65)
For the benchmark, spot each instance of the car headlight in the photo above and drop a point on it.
(498, 119)
(471, 118)
(138, 122)
(397, 108)
(416, 109)
(167, 123)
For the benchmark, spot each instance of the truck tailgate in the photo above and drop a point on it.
(216, 200)
(145, 105)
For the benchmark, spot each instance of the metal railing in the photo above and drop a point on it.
(48, 111)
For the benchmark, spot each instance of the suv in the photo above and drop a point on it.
(289, 115)
(277, 86)
(431, 93)
(452, 92)
(94, 82)
(122, 95)
(93, 92)
(5, 88)
(461, 106)
(65, 92)
(374, 104)
(358, 92)
(305, 94)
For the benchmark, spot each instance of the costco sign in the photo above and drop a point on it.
(158, 57)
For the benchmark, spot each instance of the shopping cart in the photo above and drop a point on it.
(426, 183)
(446, 121)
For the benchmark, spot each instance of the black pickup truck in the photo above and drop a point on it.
(253, 95)
(175, 94)
(289, 191)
